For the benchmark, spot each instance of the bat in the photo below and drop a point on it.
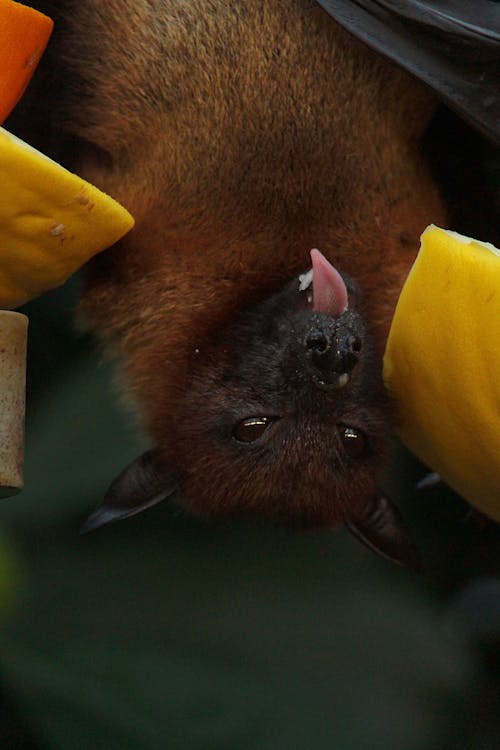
(240, 137)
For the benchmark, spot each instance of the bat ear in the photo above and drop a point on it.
(140, 485)
(381, 529)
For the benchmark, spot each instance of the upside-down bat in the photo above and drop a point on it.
(241, 136)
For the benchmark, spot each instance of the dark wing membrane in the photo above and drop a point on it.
(451, 45)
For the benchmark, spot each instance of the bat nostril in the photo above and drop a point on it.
(317, 342)
(348, 352)
(354, 344)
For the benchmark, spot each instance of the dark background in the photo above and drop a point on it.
(165, 631)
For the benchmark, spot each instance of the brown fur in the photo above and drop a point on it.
(240, 135)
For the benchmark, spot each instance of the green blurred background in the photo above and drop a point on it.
(165, 631)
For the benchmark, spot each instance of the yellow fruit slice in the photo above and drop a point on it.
(51, 222)
(442, 364)
(24, 33)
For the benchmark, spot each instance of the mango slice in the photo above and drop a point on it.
(442, 364)
(51, 222)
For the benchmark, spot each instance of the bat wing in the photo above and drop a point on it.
(451, 45)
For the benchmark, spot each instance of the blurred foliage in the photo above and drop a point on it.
(168, 632)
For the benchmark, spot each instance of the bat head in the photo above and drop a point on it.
(284, 417)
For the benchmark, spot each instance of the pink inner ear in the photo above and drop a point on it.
(329, 290)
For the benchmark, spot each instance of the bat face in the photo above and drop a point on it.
(286, 416)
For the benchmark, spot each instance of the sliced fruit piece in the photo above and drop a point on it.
(24, 33)
(442, 364)
(51, 222)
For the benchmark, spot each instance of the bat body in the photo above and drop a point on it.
(241, 136)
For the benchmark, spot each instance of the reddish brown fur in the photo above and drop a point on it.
(240, 135)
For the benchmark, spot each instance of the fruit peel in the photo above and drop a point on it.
(24, 33)
(442, 364)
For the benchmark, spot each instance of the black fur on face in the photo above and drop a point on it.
(285, 416)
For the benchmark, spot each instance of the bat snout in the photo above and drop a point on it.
(334, 351)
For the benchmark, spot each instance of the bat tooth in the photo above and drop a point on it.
(305, 280)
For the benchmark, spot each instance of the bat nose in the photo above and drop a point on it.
(333, 351)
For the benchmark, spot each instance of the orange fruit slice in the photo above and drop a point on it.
(24, 34)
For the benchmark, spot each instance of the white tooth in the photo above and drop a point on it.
(343, 379)
(305, 280)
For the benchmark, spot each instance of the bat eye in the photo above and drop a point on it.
(251, 429)
(353, 440)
